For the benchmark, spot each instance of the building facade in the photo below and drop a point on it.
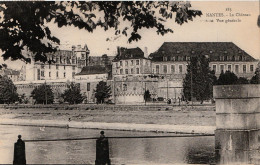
(65, 64)
(131, 73)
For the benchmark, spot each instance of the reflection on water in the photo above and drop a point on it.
(141, 151)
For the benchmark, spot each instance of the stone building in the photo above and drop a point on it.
(14, 75)
(171, 59)
(65, 64)
(90, 76)
(103, 60)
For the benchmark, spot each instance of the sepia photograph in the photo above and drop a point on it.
(130, 82)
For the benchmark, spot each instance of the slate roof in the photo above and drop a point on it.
(9, 72)
(129, 53)
(96, 69)
(214, 50)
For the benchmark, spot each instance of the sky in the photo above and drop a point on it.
(245, 33)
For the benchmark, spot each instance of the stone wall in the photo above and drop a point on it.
(238, 122)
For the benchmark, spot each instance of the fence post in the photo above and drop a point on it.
(19, 152)
(102, 152)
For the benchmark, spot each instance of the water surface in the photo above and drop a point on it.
(122, 151)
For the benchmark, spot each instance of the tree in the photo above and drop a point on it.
(147, 95)
(8, 91)
(242, 80)
(25, 24)
(72, 94)
(102, 92)
(256, 78)
(199, 80)
(227, 78)
(43, 94)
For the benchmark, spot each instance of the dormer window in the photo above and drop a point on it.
(225, 52)
(164, 58)
(211, 52)
(178, 51)
(173, 58)
(193, 52)
(239, 52)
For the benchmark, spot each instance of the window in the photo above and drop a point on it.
(49, 74)
(73, 67)
(132, 71)
(124, 87)
(57, 74)
(82, 55)
(180, 68)
(165, 69)
(38, 74)
(221, 58)
(173, 58)
(64, 74)
(42, 73)
(73, 61)
(88, 86)
(222, 68)
(137, 62)
(126, 63)
(188, 58)
(73, 74)
(157, 69)
(116, 64)
(164, 58)
(172, 68)
(121, 71)
(64, 67)
(214, 67)
(137, 70)
(121, 63)
(57, 67)
(244, 68)
(126, 71)
(236, 58)
(229, 68)
(132, 62)
(251, 68)
(236, 68)
(49, 66)
(42, 66)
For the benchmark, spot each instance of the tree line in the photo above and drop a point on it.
(199, 80)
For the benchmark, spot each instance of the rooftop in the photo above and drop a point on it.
(96, 69)
(129, 53)
(213, 49)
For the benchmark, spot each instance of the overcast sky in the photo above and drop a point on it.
(245, 34)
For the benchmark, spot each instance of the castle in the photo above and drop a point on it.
(132, 71)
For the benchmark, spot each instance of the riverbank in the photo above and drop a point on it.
(179, 119)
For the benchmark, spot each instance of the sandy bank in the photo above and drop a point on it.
(112, 126)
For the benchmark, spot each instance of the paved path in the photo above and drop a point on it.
(113, 126)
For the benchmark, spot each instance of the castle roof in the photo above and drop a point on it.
(214, 50)
(96, 69)
(129, 53)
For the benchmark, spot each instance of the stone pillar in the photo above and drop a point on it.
(237, 137)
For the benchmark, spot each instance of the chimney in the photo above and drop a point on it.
(145, 52)
(118, 50)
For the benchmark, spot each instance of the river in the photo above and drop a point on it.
(178, 150)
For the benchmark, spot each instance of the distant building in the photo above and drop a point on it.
(14, 75)
(103, 60)
(65, 64)
(89, 77)
(172, 58)
(130, 62)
